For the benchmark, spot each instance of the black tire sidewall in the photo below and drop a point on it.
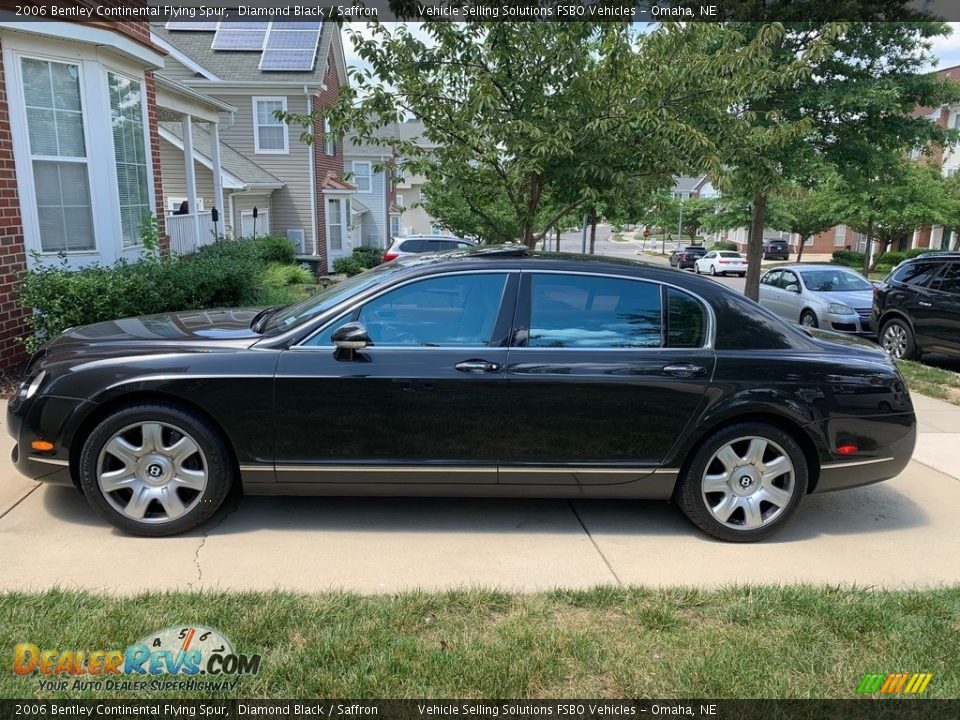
(220, 470)
(690, 499)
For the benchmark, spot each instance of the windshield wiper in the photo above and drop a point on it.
(260, 318)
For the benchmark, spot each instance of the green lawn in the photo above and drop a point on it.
(931, 381)
(739, 642)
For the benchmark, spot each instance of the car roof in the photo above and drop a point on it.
(943, 255)
(813, 266)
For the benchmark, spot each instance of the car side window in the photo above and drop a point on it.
(413, 246)
(950, 280)
(439, 245)
(686, 320)
(449, 311)
(920, 273)
(772, 278)
(789, 281)
(709, 255)
(580, 311)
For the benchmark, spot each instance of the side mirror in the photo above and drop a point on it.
(794, 289)
(352, 336)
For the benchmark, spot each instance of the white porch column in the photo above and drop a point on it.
(186, 124)
(217, 178)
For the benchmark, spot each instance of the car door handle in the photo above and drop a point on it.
(684, 369)
(921, 303)
(477, 367)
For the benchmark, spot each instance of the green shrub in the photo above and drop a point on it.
(348, 266)
(369, 256)
(891, 258)
(216, 276)
(279, 275)
(848, 257)
(723, 245)
(883, 268)
(284, 295)
(917, 252)
(272, 249)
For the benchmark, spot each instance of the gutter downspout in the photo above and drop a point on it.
(313, 182)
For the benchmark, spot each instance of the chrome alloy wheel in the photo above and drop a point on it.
(894, 341)
(808, 320)
(748, 483)
(152, 472)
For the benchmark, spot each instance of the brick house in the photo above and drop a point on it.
(66, 187)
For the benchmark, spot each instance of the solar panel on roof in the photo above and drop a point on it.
(199, 25)
(240, 36)
(291, 46)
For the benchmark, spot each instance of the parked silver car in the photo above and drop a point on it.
(413, 244)
(825, 296)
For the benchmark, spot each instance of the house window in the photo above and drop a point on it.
(329, 145)
(335, 223)
(58, 155)
(126, 116)
(394, 225)
(269, 134)
(361, 176)
(840, 236)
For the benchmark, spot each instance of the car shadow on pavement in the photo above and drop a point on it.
(877, 508)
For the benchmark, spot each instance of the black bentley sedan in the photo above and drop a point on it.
(494, 372)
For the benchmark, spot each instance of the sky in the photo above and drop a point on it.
(946, 49)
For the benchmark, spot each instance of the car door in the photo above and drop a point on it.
(770, 292)
(707, 261)
(916, 297)
(423, 403)
(600, 378)
(790, 298)
(944, 323)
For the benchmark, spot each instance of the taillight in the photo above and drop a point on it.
(388, 256)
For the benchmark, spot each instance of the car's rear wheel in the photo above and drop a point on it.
(744, 482)
(155, 469)
(713, 270)
(897, 339)
(808, 319)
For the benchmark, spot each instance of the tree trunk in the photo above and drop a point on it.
(558, 239)
(803, 241)
(593, 231)
(755, 248)
(866, 250)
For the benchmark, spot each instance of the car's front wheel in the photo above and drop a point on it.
(808, 319)
(744, 482)
(155, 469)
(897, 339)
(713, 270)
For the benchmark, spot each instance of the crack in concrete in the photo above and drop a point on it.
(227, 512)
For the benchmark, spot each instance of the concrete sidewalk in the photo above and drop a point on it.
(50, 537)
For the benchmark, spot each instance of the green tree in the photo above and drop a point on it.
(552, 114)
(844, 98)
(805, 212)
(888, 209)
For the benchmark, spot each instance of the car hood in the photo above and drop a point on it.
(191, 329)
(857, 299)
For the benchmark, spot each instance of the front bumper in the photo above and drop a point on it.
(851, 324)
(42, 418)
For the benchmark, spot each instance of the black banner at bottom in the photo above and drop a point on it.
(901, 709)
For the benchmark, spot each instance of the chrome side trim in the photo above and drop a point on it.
(49, 461)
(854, 463)
(456, 468)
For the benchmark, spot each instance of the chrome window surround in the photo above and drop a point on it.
(709, 334)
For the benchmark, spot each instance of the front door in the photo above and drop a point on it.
(338, 226)
(423, 403)
(600, 377)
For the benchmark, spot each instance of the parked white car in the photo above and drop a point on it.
(721, 262)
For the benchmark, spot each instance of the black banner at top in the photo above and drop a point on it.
(639, 11)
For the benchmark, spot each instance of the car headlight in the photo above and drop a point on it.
(838, 309)
(29, 387)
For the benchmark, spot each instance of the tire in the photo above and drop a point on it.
(696, 269)
(808, 319)
(742, 274)
(159, 490)
(713, 270)
(896, 337)
(761, 504)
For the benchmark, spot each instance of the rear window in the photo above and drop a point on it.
(730, 254)
(413, 246)
(686, 321)
(778, 244)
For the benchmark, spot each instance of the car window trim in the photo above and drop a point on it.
(524, 307)
(506, 299)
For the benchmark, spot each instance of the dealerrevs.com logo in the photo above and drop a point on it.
(189, 657)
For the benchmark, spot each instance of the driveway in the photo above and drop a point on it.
(50, 537)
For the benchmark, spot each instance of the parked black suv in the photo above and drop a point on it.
(917, 308)
(776, 250)
(685, 256)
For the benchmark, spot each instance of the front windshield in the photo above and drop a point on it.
(834, 281)
(328, 297)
